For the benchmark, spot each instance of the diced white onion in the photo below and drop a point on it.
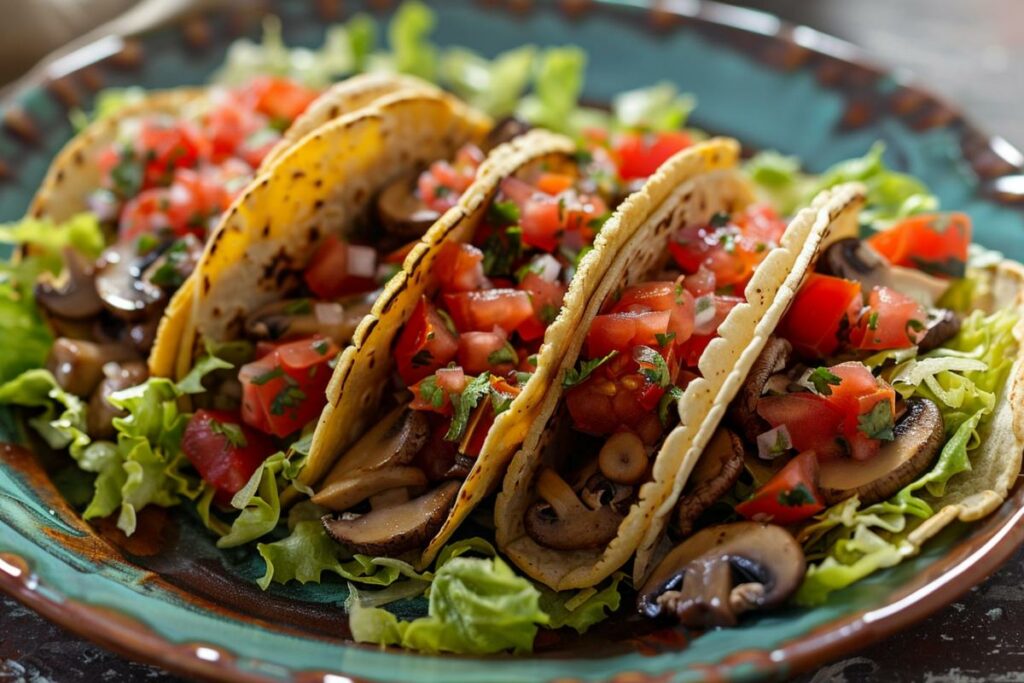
(774, 443)
(547, 267)
(103, 204)
(329, 313)
(362, 261)
(705, 314)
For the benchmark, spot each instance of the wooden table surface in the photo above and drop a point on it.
(970, 52)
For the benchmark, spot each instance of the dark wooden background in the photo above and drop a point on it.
(972, 52)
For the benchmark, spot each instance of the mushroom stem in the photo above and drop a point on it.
(623, 458)
(558, 494)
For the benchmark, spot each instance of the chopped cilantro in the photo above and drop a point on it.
(506, 354)
(523, 377)
(298, 307)
(500, 402)
(430, 392)
(873, 321)
(548, 313)
(263, 378)
(448, 322)
(127, 174)
(464, 404)
(652, 366)
(576, 376)
(719, 220)
(321, 346)
(823, 380)
(503, 213)
(877, 423)
(231, 431)
(502, 250)
(532, 360)
(289, 396)
(145, 244)
(671, 395)
(796, 496)
(664, 339)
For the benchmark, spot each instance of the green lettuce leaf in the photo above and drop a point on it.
(476, 606)
(581, 609)
(658, 107)
(409, 39)
(43, 243)
(493, 85)
(59, 416)
(556, 90)
(108, 101)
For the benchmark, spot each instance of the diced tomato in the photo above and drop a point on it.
(436, 400)
(762, 224)
(166, 146)
(647, 296)
(224, 451)
(579, 214)
(452, 380)
(607, 402)
(622, 331)
(700, 282)
(541, 222)
(485, 352)
(891, 321)
(818, 314)
(554, 183)
(281, 98)
(285, 389)
(424, 345)
(789, 497)
(484, 310)
(934, 243)
(723, 305)
(443, 183)
(641, 154)
(690, 351)
(856, 395)
(814, 423)
(546, 298)
(145, 214)
(330, 273)
(459, 267)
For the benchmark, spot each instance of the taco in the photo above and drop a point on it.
(885, 405)
(158, 174)
(300, 259)
(675, 312)
(468, 348)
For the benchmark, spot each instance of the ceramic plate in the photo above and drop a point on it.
(170, 597)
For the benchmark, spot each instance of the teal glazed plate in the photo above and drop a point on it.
(169, 597)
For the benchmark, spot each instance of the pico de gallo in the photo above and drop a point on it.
(164, 183)
(818, 420)
(467, 351)
(638, 355)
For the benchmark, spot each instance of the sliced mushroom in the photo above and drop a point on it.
(304, 318)
(347, 492)
(78, 365)
(561, 521)
(920, 286)
(723, 571)
(389, 498)
(714, 475)
(72, 296)
(943, 324)
(174, 263)
(401, 212)
(505, 130)
(101, 413)
(743, 410)
(623, 458)
(394, 530)
(855, 259)
(598, 491)
(121, 285)
(395, 440)
(918, 437)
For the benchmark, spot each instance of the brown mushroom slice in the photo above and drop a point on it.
(347, 492)
(561, 521)
(723, 571)
(101, 413)
(943, 324)
(918, 438)
(395, 440)
(78, 365)
(743, 410)
(73, 295)
(855, 259)
(121, 286)
(401, 212)
(394, 530)
(714, 475)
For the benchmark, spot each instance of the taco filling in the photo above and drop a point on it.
(467, 351)
(166, 181)
(639, 353)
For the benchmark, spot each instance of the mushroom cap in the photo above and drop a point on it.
(716, 472)
(714, 575)
(918, 438)
(401, 212)
(561, 521)
(394, 530)
(394, 440)
(73, 296)
(743, 410)
(120, 284)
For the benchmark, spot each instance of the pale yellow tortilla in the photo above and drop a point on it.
(675, 202)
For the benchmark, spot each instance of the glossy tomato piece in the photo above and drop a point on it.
(934, 243)
(641, 154)
(554, 183)
(224, 451)
(622, 331)
(857, 394)
(285, 389)
(280, 98)
(647, 296)
(891, 321)
(145, 214)
(424, 345)
(481, 352)
(546, 298)
(441, 185)
(338, 269)
(459, 267)
(818, 314)
(814, 422)
(789, 497)
(166, 145)
(541, 222)
(484, 310)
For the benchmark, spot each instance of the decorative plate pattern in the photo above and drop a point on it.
(170, 597)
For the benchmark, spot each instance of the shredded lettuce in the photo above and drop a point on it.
(890, 194)
(556, 90)
(108, 101)
(582, 609)
(409, 40)
(495, 85)
(658, 107)
(963, 378)
(42, 243)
